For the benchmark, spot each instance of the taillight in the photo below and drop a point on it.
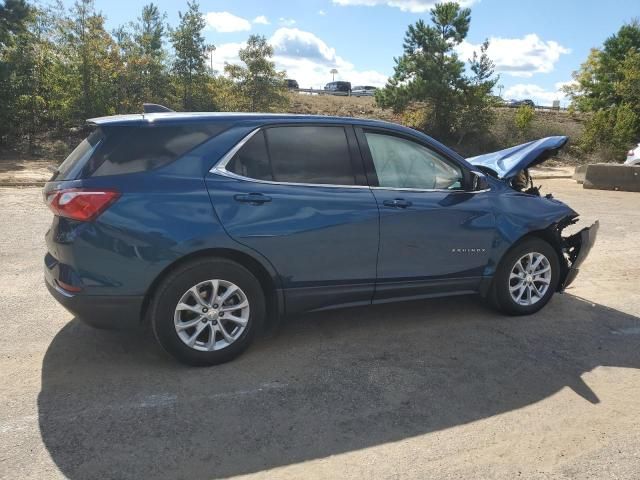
(81, 204)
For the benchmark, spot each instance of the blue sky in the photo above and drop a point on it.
(536, 44)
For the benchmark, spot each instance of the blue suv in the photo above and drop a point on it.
(210, 226)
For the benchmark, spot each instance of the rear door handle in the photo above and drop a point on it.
(397, 203)
(252, 198)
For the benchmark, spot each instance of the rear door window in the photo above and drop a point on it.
(252, 160)
(310, 154)
(296, 154)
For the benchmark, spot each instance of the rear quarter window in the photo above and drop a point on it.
(131, 149)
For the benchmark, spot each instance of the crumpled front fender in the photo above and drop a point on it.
(576, 248)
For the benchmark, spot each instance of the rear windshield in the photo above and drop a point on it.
(121, 150)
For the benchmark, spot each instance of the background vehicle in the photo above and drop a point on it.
(292, 84)
(518, 103)
(633, 156)
(338, 88)
(363, 91)
(209, 225)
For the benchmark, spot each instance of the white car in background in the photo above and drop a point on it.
(633, 156)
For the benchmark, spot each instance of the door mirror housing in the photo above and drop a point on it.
(479, 182)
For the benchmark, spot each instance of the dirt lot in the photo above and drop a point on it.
(432, 389)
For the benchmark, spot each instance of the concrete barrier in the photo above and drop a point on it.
(579, 173)
(610, 176)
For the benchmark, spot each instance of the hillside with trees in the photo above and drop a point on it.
(60, 66)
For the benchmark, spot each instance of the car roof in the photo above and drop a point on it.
(259, 120)
(173, 118)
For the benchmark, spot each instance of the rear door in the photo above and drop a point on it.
(435, 237)
(297, 194)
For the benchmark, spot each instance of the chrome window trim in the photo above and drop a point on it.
(224, 172)
(443, 190)
(222, 163)
(220, 169)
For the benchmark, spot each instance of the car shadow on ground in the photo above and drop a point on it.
(113, 405)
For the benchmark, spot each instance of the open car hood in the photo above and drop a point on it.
(508, 162)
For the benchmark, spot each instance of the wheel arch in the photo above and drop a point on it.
(552, 235)
(268, 280)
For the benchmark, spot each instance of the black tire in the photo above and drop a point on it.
(174, 286)
(500, 296)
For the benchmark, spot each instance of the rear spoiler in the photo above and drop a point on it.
(155, 108)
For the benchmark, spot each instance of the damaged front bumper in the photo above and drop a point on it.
(576, 248)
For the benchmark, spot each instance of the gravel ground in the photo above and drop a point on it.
(432, 389)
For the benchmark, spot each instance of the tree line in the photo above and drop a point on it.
(458, 105)
(61, 66)
(607, 87)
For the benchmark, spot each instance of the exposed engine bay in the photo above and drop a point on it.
(512, 164)
(523, 182)
(520, 182)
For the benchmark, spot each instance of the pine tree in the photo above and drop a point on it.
(189, 65)
(429, 70)
(260, 88)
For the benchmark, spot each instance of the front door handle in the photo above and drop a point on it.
(397, 203)
(252, 198)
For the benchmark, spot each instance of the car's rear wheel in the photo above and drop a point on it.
(526, 278)
(207, 312)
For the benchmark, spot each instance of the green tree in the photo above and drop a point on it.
(429, 71)
(144, 77)
(258, 85)
(478, 106)
(14, 19)
(28, 77)
(93, 62)
(524, 118)
(608, 85)
(14, 15)
(189, 66)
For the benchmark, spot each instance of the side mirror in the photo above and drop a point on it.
(478, 182)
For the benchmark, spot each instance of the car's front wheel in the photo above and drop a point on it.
(207, 312)
(526, 278)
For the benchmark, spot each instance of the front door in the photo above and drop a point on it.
(435, 237)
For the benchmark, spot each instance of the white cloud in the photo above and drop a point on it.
(226, 53)
(262, 20)
(227, 22)
(286, 22)
(519, 57)
(538, 94)
(322, 13)
(305, 57)
(295, 43)
(413, 6)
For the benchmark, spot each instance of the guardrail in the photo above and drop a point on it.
(321, 92)
(315, 91)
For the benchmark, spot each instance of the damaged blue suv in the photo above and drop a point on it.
(209, 226)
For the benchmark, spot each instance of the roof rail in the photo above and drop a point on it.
(154, 108)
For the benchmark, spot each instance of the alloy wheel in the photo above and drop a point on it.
(529, 279)
(211, 315)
